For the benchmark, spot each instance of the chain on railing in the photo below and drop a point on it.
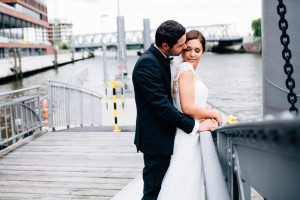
(287, 55)
(20, 112)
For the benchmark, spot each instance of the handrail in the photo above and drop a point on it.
(264, 155)
(214, 179)
(77, 87)
(20, 115)
(71, 105)
(20, 90)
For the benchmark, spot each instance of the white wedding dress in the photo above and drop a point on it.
(184, 179)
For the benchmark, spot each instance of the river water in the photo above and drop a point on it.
(234, 81)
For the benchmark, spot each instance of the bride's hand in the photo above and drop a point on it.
(217, 117)
(208, 125)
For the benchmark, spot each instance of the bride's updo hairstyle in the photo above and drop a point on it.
(194, 34)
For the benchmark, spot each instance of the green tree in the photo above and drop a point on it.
(256, 27)
(64, 46)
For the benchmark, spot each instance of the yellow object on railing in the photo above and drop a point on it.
(231, 119)
(115, 115)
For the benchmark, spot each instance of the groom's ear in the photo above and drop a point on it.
(165, 46)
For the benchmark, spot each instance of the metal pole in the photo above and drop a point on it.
(121, 45)
(147, 38)
(104, 63)
(103, 50)
(118, 8)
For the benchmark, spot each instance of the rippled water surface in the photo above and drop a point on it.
(234, 81)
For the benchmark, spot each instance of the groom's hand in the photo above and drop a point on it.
(208, 125)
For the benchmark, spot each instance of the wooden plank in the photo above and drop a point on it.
(18, 196)
(67, 169)
(71, 165)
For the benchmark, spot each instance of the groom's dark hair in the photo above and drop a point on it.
(169, 32)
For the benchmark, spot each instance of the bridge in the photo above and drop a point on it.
(78, 158)
(134, 39)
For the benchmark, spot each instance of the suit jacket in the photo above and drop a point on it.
(157, 118)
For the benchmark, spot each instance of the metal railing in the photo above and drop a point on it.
(72, 106)
(261, 155)
(20, 115)
(215, 185)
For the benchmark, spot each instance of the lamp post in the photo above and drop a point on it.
(103, 50)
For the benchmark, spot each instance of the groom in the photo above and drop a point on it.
(157, 118)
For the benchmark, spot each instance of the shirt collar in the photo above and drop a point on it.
(160, 51)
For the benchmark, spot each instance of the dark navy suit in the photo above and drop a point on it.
(157, 118)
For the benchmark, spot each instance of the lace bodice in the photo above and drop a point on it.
(201, 91)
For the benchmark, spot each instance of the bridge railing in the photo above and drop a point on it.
(262, 155)
(20, 115)
(72, 106)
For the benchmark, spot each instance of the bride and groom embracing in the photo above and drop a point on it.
(170, 119)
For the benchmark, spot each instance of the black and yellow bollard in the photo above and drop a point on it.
(115, 107)
(115, 115)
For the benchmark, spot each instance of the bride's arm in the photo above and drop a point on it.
(187, 96)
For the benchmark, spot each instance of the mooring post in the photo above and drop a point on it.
(55, 55)
(16, 68)
(73, 56)
(20, 64)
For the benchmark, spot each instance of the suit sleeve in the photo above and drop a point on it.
(150, 85)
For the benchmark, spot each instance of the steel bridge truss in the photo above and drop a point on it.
(212, 33)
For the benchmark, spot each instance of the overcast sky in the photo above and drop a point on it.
(86, 14)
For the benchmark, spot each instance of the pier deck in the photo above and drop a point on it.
(70, 165)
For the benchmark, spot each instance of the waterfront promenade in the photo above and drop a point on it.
(70, 165)
(32, 64)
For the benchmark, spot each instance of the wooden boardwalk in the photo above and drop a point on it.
(70, 165)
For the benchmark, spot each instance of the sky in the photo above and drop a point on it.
(86, 14)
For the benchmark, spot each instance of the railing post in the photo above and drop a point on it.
(81, 107)
(67, 102)
(12, 122)
(50, 111)
(39, 104)
(92, 111)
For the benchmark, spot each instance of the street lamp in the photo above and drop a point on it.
(103, 50)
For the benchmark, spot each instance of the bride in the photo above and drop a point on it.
(184, 178)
